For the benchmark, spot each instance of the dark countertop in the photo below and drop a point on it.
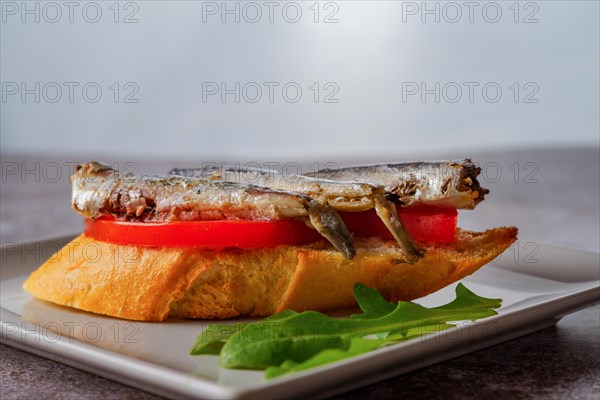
(555, 363)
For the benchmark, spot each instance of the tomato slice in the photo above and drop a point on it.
(213, 234)
(429, 224)
(423, 223)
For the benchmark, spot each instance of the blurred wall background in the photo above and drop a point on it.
(297, 79)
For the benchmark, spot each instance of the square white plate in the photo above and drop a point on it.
(538, 284)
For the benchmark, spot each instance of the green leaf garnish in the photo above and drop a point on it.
(288, 341)
(213, 338)
(371, 302)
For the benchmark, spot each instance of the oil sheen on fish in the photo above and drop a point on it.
(445, 183)
(100, 190)
(347, 196)
(342, 196)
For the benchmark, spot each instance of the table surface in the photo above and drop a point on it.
(552, 195)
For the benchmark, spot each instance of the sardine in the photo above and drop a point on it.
(342, 196)
(100, 190)
(445, 183)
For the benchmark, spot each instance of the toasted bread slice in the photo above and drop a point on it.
(152, 283)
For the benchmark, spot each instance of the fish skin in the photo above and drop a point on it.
(350, 196)
(98, 189)
(444, 183)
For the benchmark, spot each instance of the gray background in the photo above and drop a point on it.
(369, 53)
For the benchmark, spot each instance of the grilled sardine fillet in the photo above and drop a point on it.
(444, 183)
(99, 190)
(342, 196)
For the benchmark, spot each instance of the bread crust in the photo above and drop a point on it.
(153, 283)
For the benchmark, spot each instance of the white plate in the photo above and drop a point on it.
(538, 285)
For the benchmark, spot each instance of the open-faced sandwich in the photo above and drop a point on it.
(220, 242)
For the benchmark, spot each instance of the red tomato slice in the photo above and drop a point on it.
(423, 223)
(214, 234)
(429, 224)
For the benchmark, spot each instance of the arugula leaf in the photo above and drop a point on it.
(290, 341)
(213, 338)
(271, 342)
(465, 299)
(356, 347)
(371, 302)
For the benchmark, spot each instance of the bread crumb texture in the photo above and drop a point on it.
(153, 283)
